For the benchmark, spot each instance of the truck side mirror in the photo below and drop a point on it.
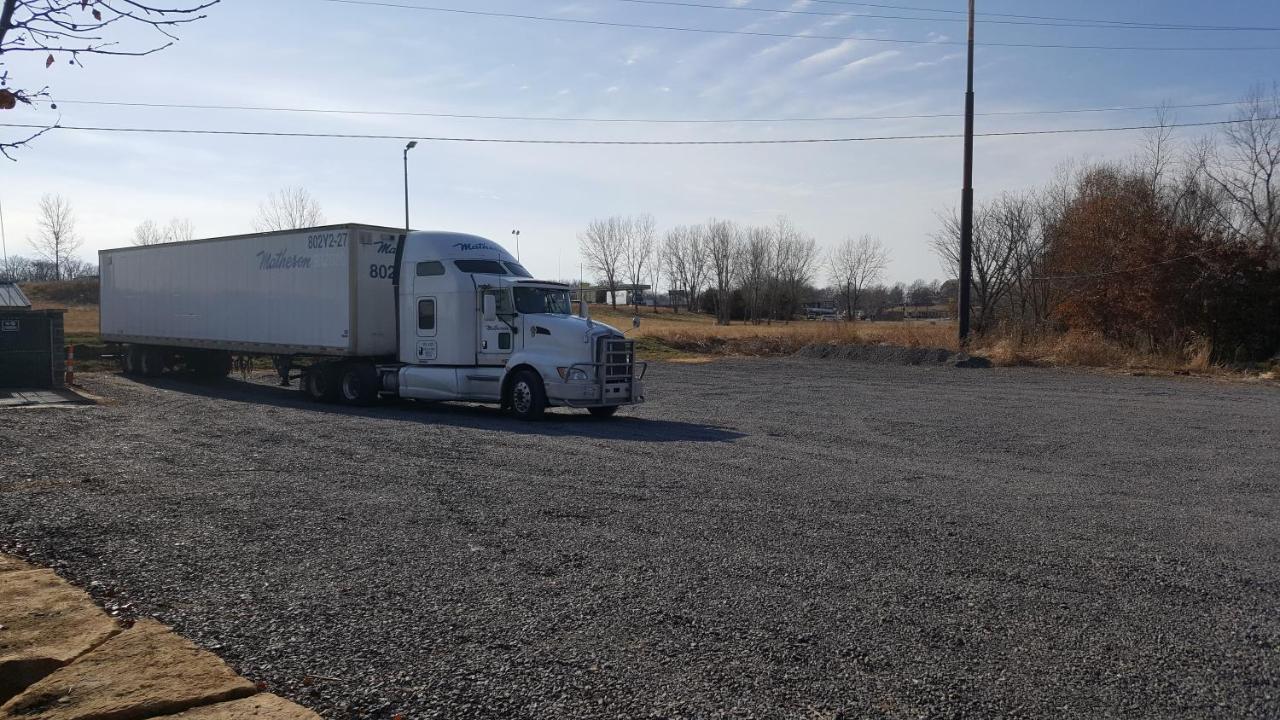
(583, 310)
(490, 308)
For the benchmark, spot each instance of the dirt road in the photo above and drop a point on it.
(764, 539)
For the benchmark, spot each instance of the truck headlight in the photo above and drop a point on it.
(572, 374)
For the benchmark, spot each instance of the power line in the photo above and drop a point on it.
(1127, 23)
(754, 33)
(1098, 25)
(556, 118)
(548, 141)
(1122, 271)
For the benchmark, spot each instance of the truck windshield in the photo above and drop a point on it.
(546, 301)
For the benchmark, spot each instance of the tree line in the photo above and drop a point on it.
(754, 273)
(1180, 244)
(58, 240)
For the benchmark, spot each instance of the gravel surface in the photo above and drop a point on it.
(790, 538)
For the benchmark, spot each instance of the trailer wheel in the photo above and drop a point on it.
(151, 362)
(131, 360)
(320, 382)
(526, 397)
(359, 384)
(604, 411)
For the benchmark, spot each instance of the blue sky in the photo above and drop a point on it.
(316, 54)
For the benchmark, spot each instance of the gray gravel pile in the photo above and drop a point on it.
(884, 354)
(763, 539)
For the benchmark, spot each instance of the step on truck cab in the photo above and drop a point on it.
(367, 312)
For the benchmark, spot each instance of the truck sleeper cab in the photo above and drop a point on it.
(366, 312)
(479, 328)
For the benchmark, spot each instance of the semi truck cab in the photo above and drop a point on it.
(474, 325)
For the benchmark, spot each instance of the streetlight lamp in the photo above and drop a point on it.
(517, 234)
(412, 144)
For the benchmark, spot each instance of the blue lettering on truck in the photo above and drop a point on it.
(324, 241)
(282, 261)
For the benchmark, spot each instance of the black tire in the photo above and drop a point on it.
(320, 383)
(606, 411)
(526, 396)
(151, 362)
(359, 384)
(131, 360)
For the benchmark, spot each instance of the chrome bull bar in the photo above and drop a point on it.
(616, 370)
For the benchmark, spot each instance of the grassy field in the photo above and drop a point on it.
(665, 333)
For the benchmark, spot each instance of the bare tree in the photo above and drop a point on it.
(603, 245)
(854, 264)
(148, 233)
(757, 270)
(637, 251)
(72, 29)
(1246, 169)
(723, 252)
(288, 209)
(56, 238)
(996, 229)
(657, 269)
(797, 260)
(179, 230)
(684, 260)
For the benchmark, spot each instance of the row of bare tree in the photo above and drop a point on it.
(1180, 243)
(771, 266)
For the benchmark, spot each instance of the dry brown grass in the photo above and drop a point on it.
(698, 333)
(1094, 351)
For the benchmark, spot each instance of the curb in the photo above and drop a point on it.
(63, 658)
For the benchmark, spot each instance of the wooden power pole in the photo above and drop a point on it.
(966, 200)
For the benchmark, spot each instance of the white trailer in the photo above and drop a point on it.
(367, 312)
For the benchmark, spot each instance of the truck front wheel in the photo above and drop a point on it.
(527, 398)
(321, 383)
(360, 384)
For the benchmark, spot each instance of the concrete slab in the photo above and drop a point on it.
(8, 563)
(20, 398)
(45, 623)
(143, 672)
(259, 707)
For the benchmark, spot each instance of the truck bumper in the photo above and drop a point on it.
(579, 394)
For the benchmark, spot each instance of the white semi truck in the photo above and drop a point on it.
(367, 312)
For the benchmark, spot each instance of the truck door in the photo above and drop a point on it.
(426, 333)
(496, 334)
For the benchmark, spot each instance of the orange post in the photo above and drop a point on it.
(71, 364)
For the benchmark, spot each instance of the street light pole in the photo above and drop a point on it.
(412, 144)
(966, 199)
(517, 234)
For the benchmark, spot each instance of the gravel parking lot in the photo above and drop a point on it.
(763, 539)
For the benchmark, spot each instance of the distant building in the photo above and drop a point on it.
(622, 294)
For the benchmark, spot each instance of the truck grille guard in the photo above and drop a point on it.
(616, 368)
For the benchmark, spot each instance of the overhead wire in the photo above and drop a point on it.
(760, 33)
(554, 141)
(561, 118)
(1090, 24)
(1130, 23)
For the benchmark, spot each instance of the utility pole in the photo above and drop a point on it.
(4, 243)
(412, 144)
(966, 199)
